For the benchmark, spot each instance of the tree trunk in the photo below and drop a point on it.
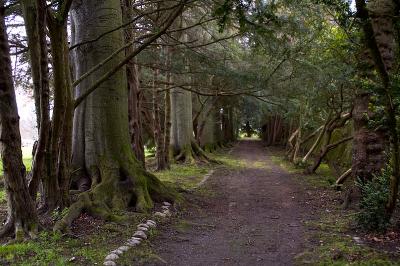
(31, 19)
(181, 124)
(158, 134)
(134, 99)
(337, 122)
(35, 23)
(378, 23)
(369, 146)
(167, 115)
(101, 138)
(56, 186)
(21, 209)
(206, 130)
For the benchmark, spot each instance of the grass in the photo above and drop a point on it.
(323, 177)
(186, 176)
(26, 158)
(85, 249)
(334, 245)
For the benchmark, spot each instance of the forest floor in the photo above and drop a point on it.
(255, 209)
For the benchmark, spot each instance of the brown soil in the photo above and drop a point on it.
(254, 216)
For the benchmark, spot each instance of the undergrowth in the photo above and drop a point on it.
(374, 196)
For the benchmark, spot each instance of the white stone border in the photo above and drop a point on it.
(205, 178)
(138, 236)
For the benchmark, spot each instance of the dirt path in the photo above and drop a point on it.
(253, 217)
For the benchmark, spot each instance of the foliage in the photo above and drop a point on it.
(372, 215)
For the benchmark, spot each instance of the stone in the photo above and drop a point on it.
(123, 248)
(357, 239)
(143, 225)
(117, 251)
(109, 263)
(144, 229)
(140, 234)
(133, 243)
(167, 213)
(160, 214)
(151, 223)
(165, 207)
(165, 203)
(112, 256)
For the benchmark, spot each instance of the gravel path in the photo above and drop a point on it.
(253, 217)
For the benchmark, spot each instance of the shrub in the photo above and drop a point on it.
(374, 195)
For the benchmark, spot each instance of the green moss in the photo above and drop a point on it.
(285, 164)
(89, 248)
(2, 196)
(334, 245)
(186, 176)
(323, 177)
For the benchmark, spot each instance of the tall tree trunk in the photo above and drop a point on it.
(181, 124)
(31, 19)
(369, 146)
(35, 23)
(56, 187)
(21, 209)
(378, 23)
(158, 134)
(206, 130)
(134, 99)
(101, 137)
(167, 114)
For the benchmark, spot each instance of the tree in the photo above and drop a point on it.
(101, 148)
(21, 209)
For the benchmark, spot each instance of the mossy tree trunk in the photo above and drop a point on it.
(380, 26)
(101, 145)
(369, 146)
(337, 122)
(21, 209)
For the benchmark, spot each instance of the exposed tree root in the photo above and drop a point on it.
(193, 154)
(116, 187)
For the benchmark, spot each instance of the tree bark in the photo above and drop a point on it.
(167, 114)
(134, 99)
(101, 147)
(21, 209)
(56, 186)
(35, 23)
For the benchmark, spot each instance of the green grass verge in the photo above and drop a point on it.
(334, 245)
(323, 177)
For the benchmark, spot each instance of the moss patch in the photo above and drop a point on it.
(186, 176)
(92, 241)
(332, 243)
